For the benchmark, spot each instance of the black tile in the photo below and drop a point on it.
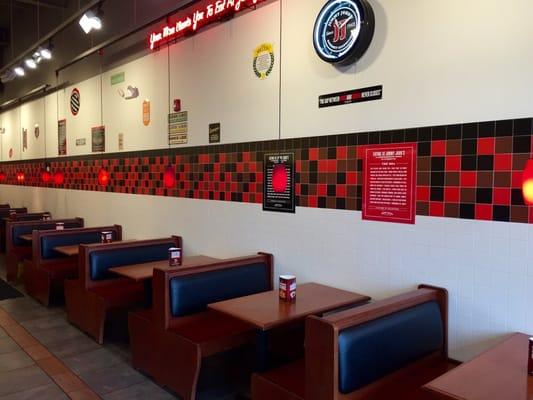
(454, 132)
(321, 202)
(424, 149)
(373, 138)
(386, 137)
(437, 179)
(351, 140)
(485, 163)
(438, 133)
(341, 178)
(504, 127)
(342, 140)
(468, 163)
(398, 136)
(467, 211)
(470, 131)
(332, 153)
(517, 199)
(484, 195)
(521, 144)
(359, 165)
(332, 190)
(437, 194)
(469, 146)
(332, 141)
(304, 190)
(501, 213)
(437, 163)
(424, 134)
(341, 204)
(362, 138)
(411, 135)
(522, 127)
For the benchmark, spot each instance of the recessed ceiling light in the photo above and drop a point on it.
(19, 71)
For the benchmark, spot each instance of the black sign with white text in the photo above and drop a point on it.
(278, 191)
(351, 96)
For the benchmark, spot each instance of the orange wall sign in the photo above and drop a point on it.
(146, 112)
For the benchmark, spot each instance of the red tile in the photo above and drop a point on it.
(342, 153)
(436, 209)
(503, 162)
(452, 194)
(438, 148)
(351, 178)
(516, 179)
(313, 153)
(341, 191)
(422, 193)
(322, 190)
(485, 146)
(468, 179)
(332, 166)
(484, 212)
(502, 196)
(322, 165)
(453, 163)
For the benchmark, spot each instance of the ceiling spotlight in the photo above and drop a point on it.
(45, 53)
(90, 21)
(30, 63)
(19, 71)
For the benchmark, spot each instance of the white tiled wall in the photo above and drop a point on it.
(486, 266)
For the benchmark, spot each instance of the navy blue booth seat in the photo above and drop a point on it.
(169, 341)
(98, 294)
(45, 273)
(18, 249)
(380, 351)
(4, 216)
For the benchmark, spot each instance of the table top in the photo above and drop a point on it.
(266, 310)
(141, 272)
(28, 237)
(72, 250)
(499, 373)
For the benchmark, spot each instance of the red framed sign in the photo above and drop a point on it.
(389, 183)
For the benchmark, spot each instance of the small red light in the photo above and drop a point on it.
(169, 177)
(20, 176)
(59, 178)
(103, 177)
(279, 178)
(46, 176)
(2, 176)
(527, 183)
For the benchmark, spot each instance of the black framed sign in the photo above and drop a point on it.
(278, 189)
(343, 31)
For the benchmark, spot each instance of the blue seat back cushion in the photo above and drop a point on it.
(375, 349)
(23, 230)
(100, 261)
(191, 294)
(49, 242)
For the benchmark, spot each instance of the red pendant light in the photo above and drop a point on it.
(2, 176)
(59, 178)
(20, 177)
(103, 177)
(527, 183)
(169, 177)
(46, 176)
(280, 178)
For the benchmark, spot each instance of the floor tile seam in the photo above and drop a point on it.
(16, 323)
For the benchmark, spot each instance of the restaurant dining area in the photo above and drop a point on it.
(266, 200)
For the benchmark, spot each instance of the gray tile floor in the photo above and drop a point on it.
(106, 369)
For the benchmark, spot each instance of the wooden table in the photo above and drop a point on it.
(28, 237)
(141, 272)
(500, 373)
(72, 250)
(267, 311)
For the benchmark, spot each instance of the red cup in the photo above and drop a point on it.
(106, 237)
(60, 226)
(287, 287)
(174, 256)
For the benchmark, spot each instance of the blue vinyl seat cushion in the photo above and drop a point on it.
(49, 242)
(377, 348)
(192, 293)
(43, 226)
(101, 260)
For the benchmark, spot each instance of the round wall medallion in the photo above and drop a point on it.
(343, 30)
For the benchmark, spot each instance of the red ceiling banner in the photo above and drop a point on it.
(197, 16)
(389, 186)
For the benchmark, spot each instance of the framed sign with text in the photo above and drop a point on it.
(278, 189)
(389, 183)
